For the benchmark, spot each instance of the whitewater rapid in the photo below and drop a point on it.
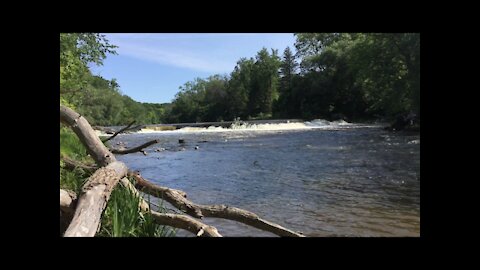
(235, 127)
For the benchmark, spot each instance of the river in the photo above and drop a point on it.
(321, 178)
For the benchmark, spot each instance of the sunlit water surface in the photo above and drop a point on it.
(340, 180)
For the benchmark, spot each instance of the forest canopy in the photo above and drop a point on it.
(350, 76)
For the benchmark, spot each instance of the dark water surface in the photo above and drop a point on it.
(348, 182)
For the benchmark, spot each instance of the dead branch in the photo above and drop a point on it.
(187, 223)
(94, 197)
(246, 217)
(144, 207)
(73, 164)
(135, 149)
(98, 188)
(87, 136)
(173, 220)
(118, 132)
(178, 199)
(173, 196)
(136, 127)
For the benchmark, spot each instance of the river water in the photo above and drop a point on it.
(320, 178)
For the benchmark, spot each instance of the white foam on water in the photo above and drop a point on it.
(241, 126)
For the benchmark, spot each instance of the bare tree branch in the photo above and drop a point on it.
(135, 149)
(118, 132)
(173, 220)
(178, 199)
(72, 164)
(187, 223)
(143, 204)
(98, 188)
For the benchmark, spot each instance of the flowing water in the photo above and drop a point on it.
(321, 178)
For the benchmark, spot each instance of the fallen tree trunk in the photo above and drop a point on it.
(87, 136)
(178, 199)
(93, 199)
(134, 149)
(98, 188)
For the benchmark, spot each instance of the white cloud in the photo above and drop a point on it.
(173, 57)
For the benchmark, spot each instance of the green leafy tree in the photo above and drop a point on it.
(288, 69)
(264, 84)
(77, 50)
(238, 88)
(364, 75)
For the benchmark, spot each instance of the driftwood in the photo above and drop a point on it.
(246, 217)
(173, 196)
(97, 190)
(135, 149)
(173, 220)
(187, 223)
(87, 136)
(178, 199)
(118, 132)
(93, 200)
(68, 201)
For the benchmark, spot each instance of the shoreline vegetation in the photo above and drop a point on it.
(368, 78)
(82, 209)
(356, 77)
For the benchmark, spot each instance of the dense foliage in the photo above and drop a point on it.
(352, 76)
(101, 102)
(355, 77)
(98, 99)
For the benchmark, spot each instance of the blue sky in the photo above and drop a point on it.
(151, 67)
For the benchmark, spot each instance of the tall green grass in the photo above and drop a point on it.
(72, 180)
(71, 146)
(123, 218)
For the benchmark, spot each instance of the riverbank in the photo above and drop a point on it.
(115, 223)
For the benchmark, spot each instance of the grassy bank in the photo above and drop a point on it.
(121, 217)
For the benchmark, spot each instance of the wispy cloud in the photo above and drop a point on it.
(166, 55)
(160, 36)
